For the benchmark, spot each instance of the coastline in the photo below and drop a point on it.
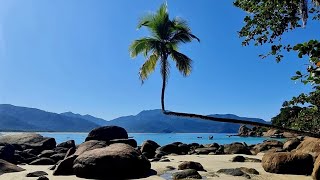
(211, 163)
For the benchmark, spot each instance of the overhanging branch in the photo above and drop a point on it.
(236, 121)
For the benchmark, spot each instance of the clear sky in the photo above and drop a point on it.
(72, 55)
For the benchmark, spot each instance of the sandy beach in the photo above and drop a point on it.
(211, 163)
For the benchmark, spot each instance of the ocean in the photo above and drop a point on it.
(165, 138)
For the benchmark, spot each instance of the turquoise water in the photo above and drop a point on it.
(163, 139)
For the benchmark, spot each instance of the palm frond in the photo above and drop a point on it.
(183, 62)
(148, 67)
(143, 45)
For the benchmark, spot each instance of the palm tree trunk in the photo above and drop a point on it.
(236, 121)
(164, 79)
(162, 93)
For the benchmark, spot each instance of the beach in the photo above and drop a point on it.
(211, 163)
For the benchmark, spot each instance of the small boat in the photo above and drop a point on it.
(210, 137)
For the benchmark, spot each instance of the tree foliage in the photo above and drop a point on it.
(268, 21)
(166, 37)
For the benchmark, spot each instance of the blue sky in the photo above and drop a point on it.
(73, 56)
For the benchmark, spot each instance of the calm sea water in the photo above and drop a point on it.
(163, 139)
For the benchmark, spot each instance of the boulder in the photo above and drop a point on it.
(170, 148)
(191, 165)
(6, 167)
(58, 157)
(43, 178)
(43, 161)
(186, 174)
(149, 147)
(115, 161)
(68, 144)
(288, 163)
(70, 152)
(36, 174)
(65, 167)
(236, 148)
(244, 130)
(60, 150)
(130, 142)
(7, 152)
(234, 172)
(31, 151)
(238, 159)
(107, 133)
(249, 170)
(29, 141)
(90, 145)
(267, 145)
(309, 145)
(206, 150)
(46, 153)
(291, 144)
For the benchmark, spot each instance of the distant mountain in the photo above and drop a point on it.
(90, 118)
(15, 118)
(156, 122)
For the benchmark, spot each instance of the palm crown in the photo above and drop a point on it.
(166, 36)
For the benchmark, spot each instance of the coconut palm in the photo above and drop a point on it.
(166, 36)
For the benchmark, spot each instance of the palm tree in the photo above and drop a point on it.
(166, 36)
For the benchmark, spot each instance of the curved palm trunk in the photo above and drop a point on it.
(164, 80)
(162, 93)
(189, 115)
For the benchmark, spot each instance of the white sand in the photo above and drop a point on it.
(211, 163)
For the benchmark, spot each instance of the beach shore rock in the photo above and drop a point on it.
(149, 147)
(288, 163)
(29, 141)
(90, 145)
(6, 167)
(186, 174)
(234, 172)
(65, 167)
(267, 145)
(43, 161)
(7, 152)
(130, 142)
(115, 161)
(36, 174)
(68, 144)
(309, 145)
(107, 133)
(291, 144)
(191, 165)
(236, 148)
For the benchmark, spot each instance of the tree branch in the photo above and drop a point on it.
(236, 121)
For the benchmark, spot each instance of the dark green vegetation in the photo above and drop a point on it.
(166, 36)
(14, 118)
(266, 24)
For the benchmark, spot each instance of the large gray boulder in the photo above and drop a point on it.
(65, 167)
(288, 163)
(29, 141)
(119, 161)
(6, 167)
(7, 152)
(236, 148)
(68, 144)
(149, 147)
(107, 133)
(90, 145)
